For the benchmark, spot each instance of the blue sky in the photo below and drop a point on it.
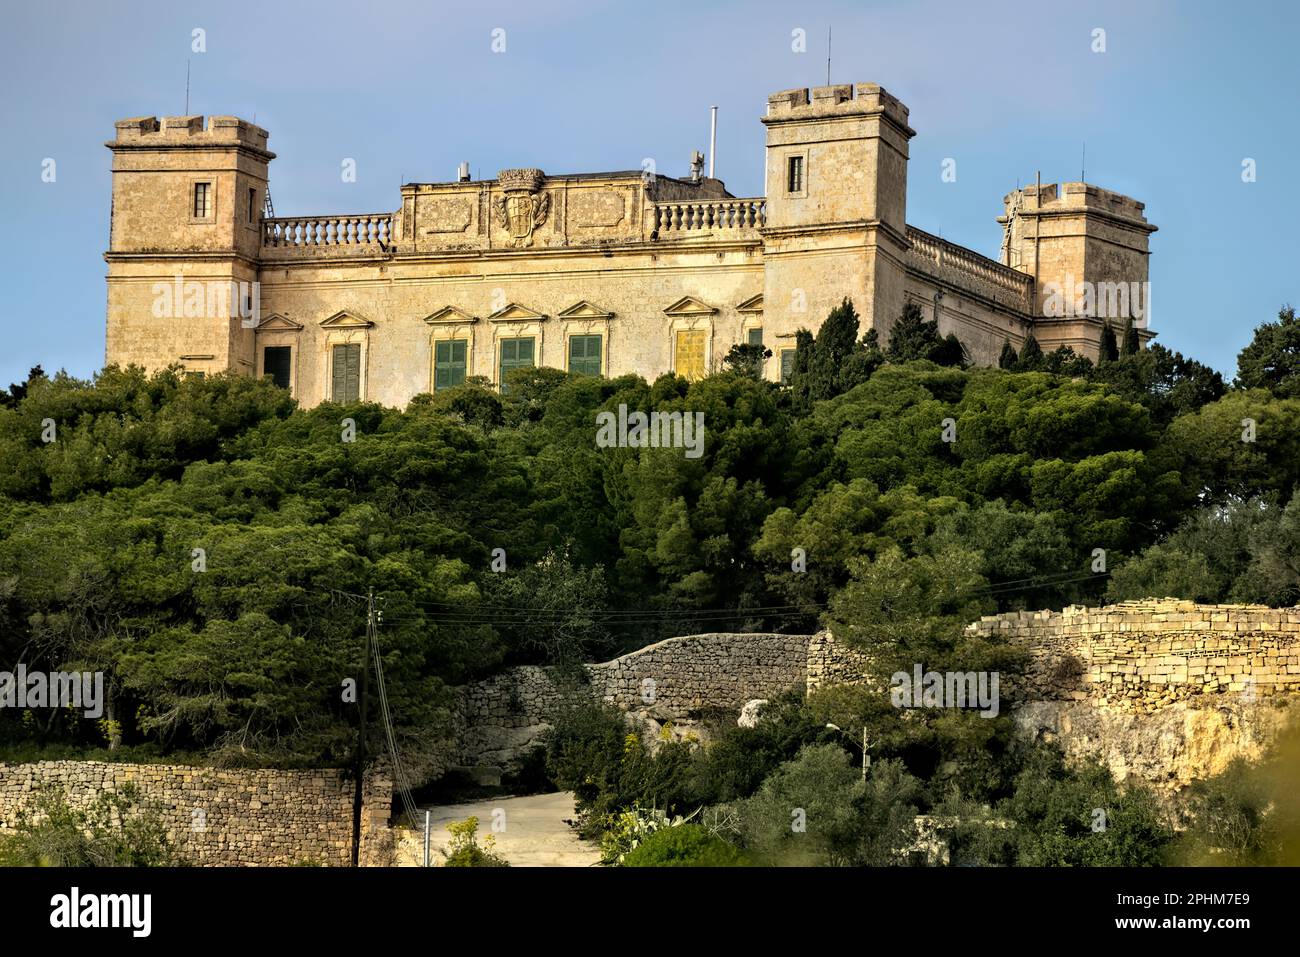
(1182, 94)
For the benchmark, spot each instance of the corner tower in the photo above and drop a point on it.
(184, 242)
(1088, 250)
(836, 207)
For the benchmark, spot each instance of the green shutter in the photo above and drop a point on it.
(756, 337)
(787, 365)
(346, 373)
(449, 363)
(584, 355)
(515, 354)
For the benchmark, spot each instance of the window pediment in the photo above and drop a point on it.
(278, 322)
(449, 315)
(346, 320)
(584, 310)
(754, 304)
(689, 307)
(513, 312)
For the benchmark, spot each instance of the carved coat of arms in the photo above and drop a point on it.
(522, 207)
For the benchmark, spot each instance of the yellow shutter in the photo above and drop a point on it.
(690, 354)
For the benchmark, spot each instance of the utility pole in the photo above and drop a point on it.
(358, 793)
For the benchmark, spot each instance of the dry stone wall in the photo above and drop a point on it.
(1164, 690)
(682, 675)
(1143, 656)
(500, 718)
(223, 817)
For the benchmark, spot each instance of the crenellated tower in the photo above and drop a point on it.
(184, 240)
(1087, 249)
(836, 206)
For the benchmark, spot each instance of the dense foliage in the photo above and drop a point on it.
(209, 546)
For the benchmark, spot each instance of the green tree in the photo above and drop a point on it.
(1080, 818)
(1109, 348)
(747, 358)
(1272, 359)
(835, 360)
(17, 391)
(1164, 381)
(817, 810)
(912, 337)
(1129, 343)
(1031, 355)
(801, 376)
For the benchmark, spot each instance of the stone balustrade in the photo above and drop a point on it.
(672, 218)
(1002, 283)
(366, 230)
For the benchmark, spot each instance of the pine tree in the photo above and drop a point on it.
(1007, 360)
(1031, 355)
(912, 337)
(835, 342)
(1129, 341)
(949, 352)
(1109, 351)
(801, 369)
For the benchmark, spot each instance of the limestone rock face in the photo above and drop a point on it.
(1166, 750)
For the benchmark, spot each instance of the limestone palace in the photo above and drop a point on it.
(594, 273)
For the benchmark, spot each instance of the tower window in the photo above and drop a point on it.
(794, 174)
(252, 206)
(202, 200)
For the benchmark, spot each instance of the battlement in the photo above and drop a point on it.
(1061, 198)
(845, 99)
(151, 132)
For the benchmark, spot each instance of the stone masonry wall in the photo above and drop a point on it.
(503, 716)
(681, 675)
(1142, 656)
(224, 817)
(832, 662)
(1163, 690)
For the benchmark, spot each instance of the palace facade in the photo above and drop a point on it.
(601, 273)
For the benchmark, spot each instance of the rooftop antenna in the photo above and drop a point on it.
(1083, 162)
(187, 87)
(828, 56)
(713, 136)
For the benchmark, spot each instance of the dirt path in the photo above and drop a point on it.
(534, 834)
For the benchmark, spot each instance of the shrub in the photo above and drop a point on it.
(464, 849)
(114, 831)
(687, 845)
(816, 810)
(591, 752)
